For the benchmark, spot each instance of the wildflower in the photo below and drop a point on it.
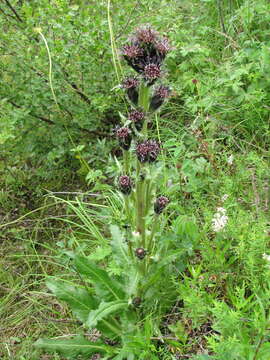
(146, 52)
(130, 84)
(125, 184)
(160, 94)
(140, 253)
(160, 204)
(219, 220)
(124, 137)
(224, 197)
(146, 35)
(266, 257)
(230, 159)
(147, 151)
(137, 117)
(163, 46)
(131, 51)
(152, 72)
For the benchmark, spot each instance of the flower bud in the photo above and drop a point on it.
(125, 184)
(136, 302)
(160, 204)
(137, 117)
(130, 84)
(124, 137)
(160, 95)
(140, 253)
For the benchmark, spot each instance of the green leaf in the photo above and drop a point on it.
(119, 246)
(104, 310)
(71, 348)
(105, 286)
(79, 300)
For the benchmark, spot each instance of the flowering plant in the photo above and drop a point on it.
(119, 305)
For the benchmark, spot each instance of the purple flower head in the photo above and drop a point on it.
(140, 253)
(125, 184)
(137, 117)
(132, 51)
(163, 46)
(146, 52)
(147, 151)
(124, 137)
(160, 204)
(131, 84)
(161, 93)
(146, 34)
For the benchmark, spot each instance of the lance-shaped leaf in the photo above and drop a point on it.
(105, 286)
(104, 310)
(119, 246)
(72, 348)
(79, 300)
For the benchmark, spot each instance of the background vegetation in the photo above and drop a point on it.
(219, 71)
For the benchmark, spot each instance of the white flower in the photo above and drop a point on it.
(224, 197)
(230, 159)
(266, 257)
(219, 220)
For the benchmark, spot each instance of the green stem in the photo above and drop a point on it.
(126, 161)
(153, 232)
(140, 205)
(144, 104)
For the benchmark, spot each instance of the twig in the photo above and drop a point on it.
(14, 11)
(258, 348)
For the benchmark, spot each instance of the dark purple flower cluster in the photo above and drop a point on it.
(130, 84)
(161, 93)
(146, 52)
(125, 184)
(147, 151)
(124, 137)
(160, 204)
(137, 117)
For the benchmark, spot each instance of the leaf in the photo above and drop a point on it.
(119, 246)
(71, 348)
(105, 286)
(104, 310)
(79, 300)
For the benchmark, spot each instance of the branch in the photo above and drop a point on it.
(14, 11)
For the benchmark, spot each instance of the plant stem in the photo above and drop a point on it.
(153, 231)
(144, 104)
(140, 205)
(126, 161)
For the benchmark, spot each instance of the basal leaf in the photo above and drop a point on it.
(119, 246)
(72, 348)
(104, 310)
(79, 300)
(105, 286)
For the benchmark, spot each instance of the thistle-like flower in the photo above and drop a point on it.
(160, 204)
(161, 93)
(125, 184)
(137, 117)
(146, 52)
(147, 151)
(124, 137)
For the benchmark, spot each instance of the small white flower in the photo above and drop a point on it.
(266, 257)
(230, 159)
(219, 220)
(224, 197)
